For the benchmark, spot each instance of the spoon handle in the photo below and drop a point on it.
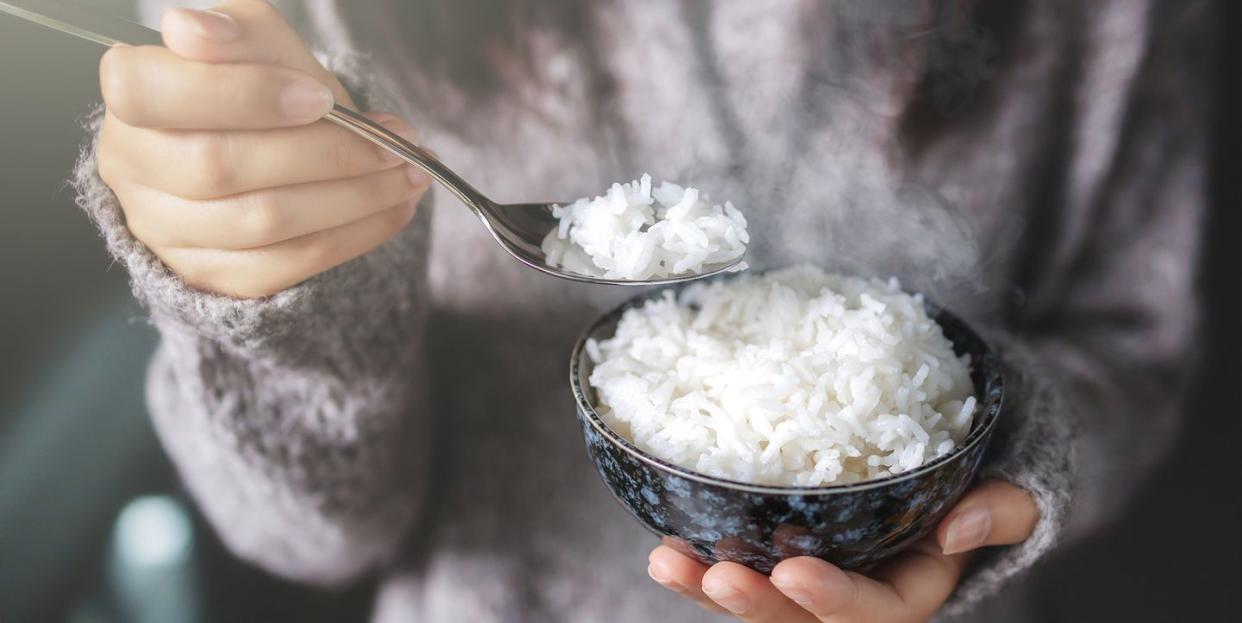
(109, 30)
(79, 21)
(408, 152)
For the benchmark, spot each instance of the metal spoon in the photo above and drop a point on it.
(519, 227)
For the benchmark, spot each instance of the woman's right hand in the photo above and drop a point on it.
(214, 149)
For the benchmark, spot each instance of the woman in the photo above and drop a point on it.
(351, 383)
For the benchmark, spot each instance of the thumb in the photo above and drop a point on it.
(243, 31)
(993, 513)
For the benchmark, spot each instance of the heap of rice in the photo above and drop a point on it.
(637, 232)
(794, 377)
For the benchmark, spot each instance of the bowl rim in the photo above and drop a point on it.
(992, 400)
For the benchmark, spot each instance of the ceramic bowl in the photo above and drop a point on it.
(852, 526)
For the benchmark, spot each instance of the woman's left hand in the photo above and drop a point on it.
(910, 588)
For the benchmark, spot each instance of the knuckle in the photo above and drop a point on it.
(142, 220)
(213, 174)
(397, 126)
(118, 84)
(319, 249)
(108, 169)
(321, 252)
(139, 227)
(107, 156)
(263, 221)
(396, 186)
(397, 218)
(246, 93)
(420, 188)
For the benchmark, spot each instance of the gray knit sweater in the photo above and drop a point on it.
(1038, 170)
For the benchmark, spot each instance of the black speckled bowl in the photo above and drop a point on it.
(852, 526)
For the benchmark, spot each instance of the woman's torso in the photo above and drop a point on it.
(798, 112)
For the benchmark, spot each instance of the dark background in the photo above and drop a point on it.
(76, 447)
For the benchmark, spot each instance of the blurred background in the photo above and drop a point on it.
(93, 524)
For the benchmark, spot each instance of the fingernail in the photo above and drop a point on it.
(794, 591)
(968, 530)
(305, 100)
(660, 575)
(211, 25)
(732, 599)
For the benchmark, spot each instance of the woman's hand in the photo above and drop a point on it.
(907, 589)
(213, 147)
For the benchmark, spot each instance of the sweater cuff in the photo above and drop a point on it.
(1032, 448)
(320, 315)
(317, 316)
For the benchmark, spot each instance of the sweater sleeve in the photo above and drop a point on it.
(1098, 356)
(296, 421)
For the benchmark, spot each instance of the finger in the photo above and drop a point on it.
(210, 165)
(993, 513)
(265, 217)
(151, 87)
(750, 596)
(915, 584)
(922, 577)
(680, 574)
(257, 273)
(827, 591)
(243, 31)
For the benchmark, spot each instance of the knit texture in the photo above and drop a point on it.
(406, 413)
(1033, 448)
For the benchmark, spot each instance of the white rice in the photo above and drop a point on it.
(794, 377)
(637, 232)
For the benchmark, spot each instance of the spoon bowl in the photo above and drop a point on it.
(520, 228)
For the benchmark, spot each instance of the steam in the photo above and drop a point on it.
(840, 190)
(806, 133)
